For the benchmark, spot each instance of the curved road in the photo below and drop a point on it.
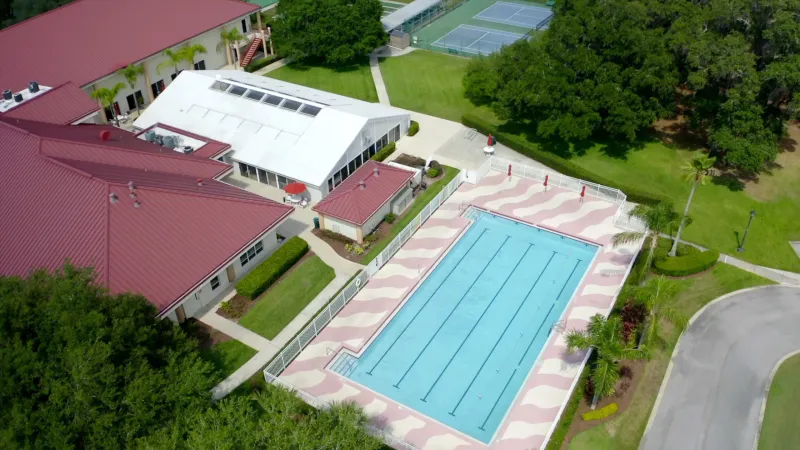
(719, 377)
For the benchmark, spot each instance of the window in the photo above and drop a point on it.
(244, 26)
(372, 150)
(200, 65)
(237, 90)
(282, 181)
(291, 105)
(251, 253)
(220, 86)
(352, 166)
(337, 179)
(384, 141)
(273, 179)
(358, 161)
(273, 100)
(330, 184)
(365, 155)
(259, 247)
(310, 110)
(243, 169)
(254, 95)
(214, 283)
(262, 176)
(133, 99)
(397, 133)
(173, 76)
(109, 113)
(157, 87)
(344, 173)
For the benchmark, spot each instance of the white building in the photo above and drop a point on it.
(279, 132)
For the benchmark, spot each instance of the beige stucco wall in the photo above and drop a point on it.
(339, 226)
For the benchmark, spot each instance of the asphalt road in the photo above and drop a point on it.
(721, 372)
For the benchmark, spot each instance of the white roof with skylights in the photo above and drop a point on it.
(292, 130)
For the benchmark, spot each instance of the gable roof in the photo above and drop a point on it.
(85, 40)
(55, 206)
(61, 105)
(354, 203)
(300, 146)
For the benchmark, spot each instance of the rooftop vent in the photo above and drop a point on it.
(199, 181)
(18, 97)
(137, 204)
(376, 171)
(362, 185)
(185, 149)
(112, 197)
(33, 87)
(7, 94)
(105, 135)
(131, 186)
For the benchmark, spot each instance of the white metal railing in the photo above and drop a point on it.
(318, 403)
(556, 179)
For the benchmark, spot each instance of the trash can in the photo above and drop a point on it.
(316, 223)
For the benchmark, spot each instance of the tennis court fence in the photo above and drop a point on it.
(431, 14)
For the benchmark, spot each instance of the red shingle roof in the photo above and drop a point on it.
(352, 203)
(54, 205)
(61, 105)
(86, 40)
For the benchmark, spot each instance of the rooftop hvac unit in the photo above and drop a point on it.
(169, 141)
(150, 136)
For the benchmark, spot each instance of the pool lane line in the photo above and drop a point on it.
(548, 312)
(511, 272)
(397, 385)
(508, 325)
(426, 301)
(498, 399)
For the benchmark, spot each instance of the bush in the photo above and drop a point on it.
(261, 63)
(413, 128)
(557, 163)
(390, 218)
(384, 152)
(633, 317)
(226, 307)
(664, 245)
(599, 414)
(263, 276)
(411, 161)
(681, 266)
(334, 236)
(371, 238)
(434, 172)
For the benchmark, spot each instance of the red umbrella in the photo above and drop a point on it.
(294, 188)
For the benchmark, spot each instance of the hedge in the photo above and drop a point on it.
(681, 266)
(263, 276)
(600, 414)
(384, 152)
(565, 422)
(334, 236)
(413, 128)
(555, 162)
(261, 63)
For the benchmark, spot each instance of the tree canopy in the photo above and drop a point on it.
(330, 31)
(13, 11)
(613, 67)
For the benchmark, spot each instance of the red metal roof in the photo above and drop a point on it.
(61, 105)
(86, 40)
(356, 204)
(55, 206)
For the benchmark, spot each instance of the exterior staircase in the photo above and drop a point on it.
(251, 51)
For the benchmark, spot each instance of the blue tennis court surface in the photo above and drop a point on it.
(476, 40)
(515, 14)
(462, 345)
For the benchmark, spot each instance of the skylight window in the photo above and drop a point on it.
(255, 95)
(273, 100)
(237, 90)
(310, 110)
(220, 86)
(291, 105)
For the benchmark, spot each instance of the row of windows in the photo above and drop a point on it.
(251, 253)
(263, 176)
(392, 136)
(266, 98)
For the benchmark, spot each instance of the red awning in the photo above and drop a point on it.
(294, 188)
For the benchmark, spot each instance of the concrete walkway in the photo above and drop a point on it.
(377, 78)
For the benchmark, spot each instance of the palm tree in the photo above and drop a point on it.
(657, 218)
(131, 74)
(108, 96)
(697, 172)
(654, 295)
(174, 59)
(226, 39)
(189, 52)
(605, 337)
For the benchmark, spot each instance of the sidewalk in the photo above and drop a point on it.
(377, 78)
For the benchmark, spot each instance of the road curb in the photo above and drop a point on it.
(766, 395)
(678, 346)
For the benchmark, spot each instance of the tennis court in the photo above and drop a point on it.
(476, 40)
(390, 6)
(515, 14)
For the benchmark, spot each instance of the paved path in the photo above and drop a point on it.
(377, 78)
(715, 388)
(236, 331)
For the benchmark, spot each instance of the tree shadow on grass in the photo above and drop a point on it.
(730, 181)
(354, 66)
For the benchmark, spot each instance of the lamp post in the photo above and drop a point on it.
(752, 214)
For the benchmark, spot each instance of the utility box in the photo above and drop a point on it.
(399, 39)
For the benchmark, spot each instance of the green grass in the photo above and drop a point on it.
(228, 356)
(412, 212)
(783, 406)
(625, 431)
(352, 81)
(278, 306)
(429, 83)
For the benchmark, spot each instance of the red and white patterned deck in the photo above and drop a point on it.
(538, 404)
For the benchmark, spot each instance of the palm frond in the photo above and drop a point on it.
(627, 237)
(577, 340)
(605, 375)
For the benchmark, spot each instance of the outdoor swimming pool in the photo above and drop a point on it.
(463, 344)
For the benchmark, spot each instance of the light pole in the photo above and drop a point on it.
(752, 214)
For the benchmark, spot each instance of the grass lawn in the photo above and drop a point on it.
(278, 306)
(228, 356)
(429, 83)
(625, 431)
(412, 212)
(353, 81)
(783, 406)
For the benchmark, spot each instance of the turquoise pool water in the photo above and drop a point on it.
(461, 347)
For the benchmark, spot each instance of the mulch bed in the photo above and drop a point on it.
(337, 246)
(242, 304)
(626, 387)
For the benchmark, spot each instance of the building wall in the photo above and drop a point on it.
(340, 226)
(213, 61)
(376, 218)
(401, 201)
(205, 294)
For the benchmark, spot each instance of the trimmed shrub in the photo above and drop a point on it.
(334, 236)
(390, 218)
(599, 414)
(370, 238)
(384, 152)
(413, 128)
(681, 266)
(434, 172)
(557, 163)
(263, 276)
(261, 63)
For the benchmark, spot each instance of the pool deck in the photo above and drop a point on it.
(537, 406)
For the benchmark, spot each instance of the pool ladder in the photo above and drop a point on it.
(345, 364)
(471, 213)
